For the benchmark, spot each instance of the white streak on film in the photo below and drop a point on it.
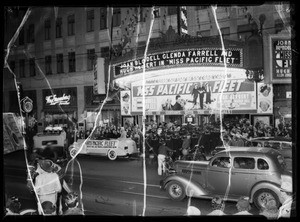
(214, 8)
(144, 111)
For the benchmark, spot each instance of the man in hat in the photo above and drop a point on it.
(47, 183)
(218, 206)
(162, 153)
(243, 206)
(193, 211)
(286, 199)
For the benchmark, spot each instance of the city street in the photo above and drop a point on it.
(110, 188)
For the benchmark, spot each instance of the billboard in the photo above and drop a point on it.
(210, 90)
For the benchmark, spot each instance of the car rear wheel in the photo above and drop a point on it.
(112, 155)
(176, 191)
(262, 196)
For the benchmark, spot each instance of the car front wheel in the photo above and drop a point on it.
(112, 155)
(262, 196)
(176, 191)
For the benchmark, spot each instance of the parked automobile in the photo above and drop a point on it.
(251, 171)
(282, 144)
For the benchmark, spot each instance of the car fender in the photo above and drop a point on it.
(265, 185)
(191, 188)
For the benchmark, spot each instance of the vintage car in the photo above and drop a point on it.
(51, 142)
(112, 148)
(241, 171)
(283, 145)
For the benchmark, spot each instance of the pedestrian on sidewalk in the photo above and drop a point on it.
(162, 153)
(218, 206)
(243, 206)
(47, 183)
(71, 202)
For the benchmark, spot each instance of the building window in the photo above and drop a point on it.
(47, 29)
(72, 64)
(201, 7)
(103, 17)
(48, 65)
(21, 37)
(90, 21)
(71, 25)
(22, 68)
(58, 28)
(32, 67)
(225, 32)
(243, 31)
(104, 52)
(278, 25)
(117, 17)
(31, 33)
(203, 33)
(60, 63)
(172, 10)
(12, 66)
(156, 12)
(90, 59)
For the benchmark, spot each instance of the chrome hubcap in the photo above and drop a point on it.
(175, 190)
(263, 198)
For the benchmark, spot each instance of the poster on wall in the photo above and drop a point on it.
(281, 58)
(125, 103)
(264, 98)
(208, 90)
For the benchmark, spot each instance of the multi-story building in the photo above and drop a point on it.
(54, 54)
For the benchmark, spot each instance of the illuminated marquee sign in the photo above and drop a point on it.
(182, 57)
(53, 100)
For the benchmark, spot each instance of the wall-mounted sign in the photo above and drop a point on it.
(53, 100)
(181, 57)
(280, 52)
(264, 98)
(65, 97)
(27, 104)
(288, 94)
(99, 84)
(209, 90)
(125, 102)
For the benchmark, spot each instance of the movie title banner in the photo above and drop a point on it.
(189, 92)
(233, 57)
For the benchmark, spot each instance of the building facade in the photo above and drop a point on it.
(55, 53)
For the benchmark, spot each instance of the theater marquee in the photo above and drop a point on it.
(181, 57)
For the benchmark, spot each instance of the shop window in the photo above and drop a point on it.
(103, 18)
(71, 25)
(72, 62)
(31, 33)
(90, 59)
(48, 64)
(262, 164)
(47, 29)
(58, 27)
(21, 37)
(32, 67)
(90, 21)
(172, 10)
(244, 163)
(60, 63)
(116, 17)
(22, 68)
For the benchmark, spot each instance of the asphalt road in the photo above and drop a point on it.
(109, 187)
